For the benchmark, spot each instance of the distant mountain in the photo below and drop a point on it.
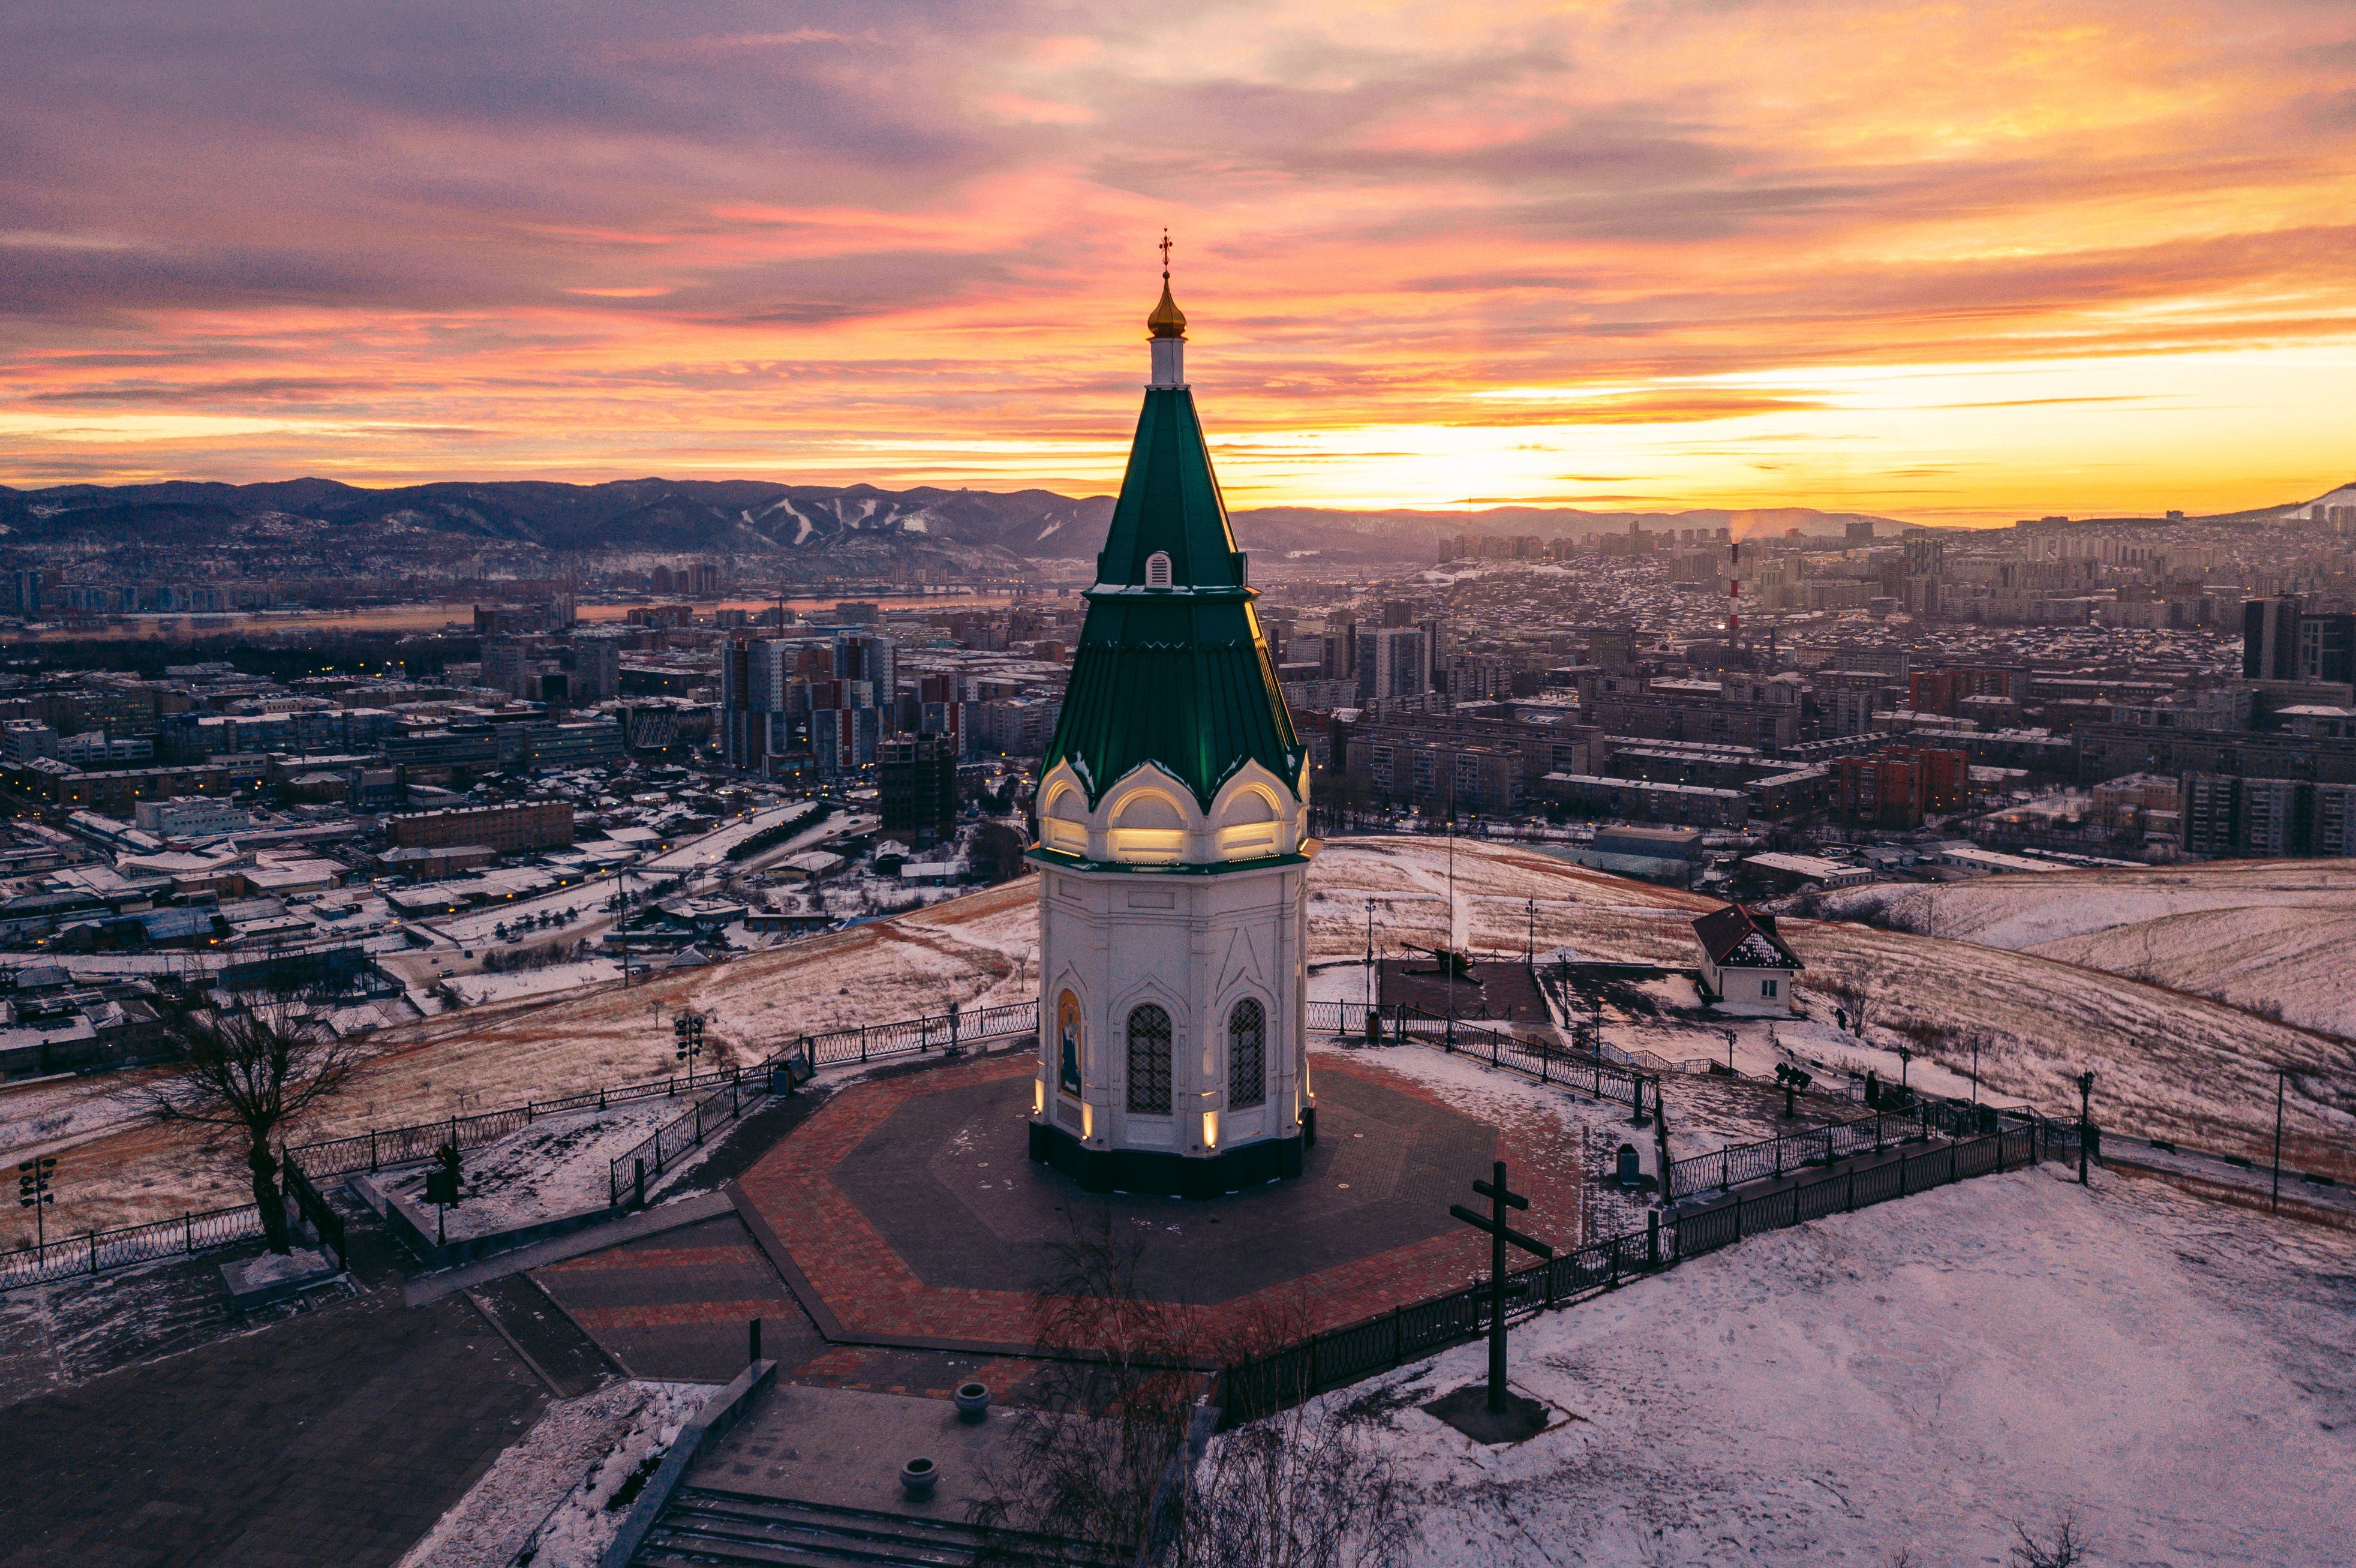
(836, 532)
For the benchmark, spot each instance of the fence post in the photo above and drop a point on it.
(188, 1232)
(1725, 1170)
(1779, 1159)
(1399, 1334)
(862, 1042)
(601, 1097)
(699, 1123)
(1851, 1208)
(94, 1251)
(1546, 1059)
(1738, 1219)
(372, 1148)
(1652, 1240)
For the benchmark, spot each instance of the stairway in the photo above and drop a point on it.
(702, 1528)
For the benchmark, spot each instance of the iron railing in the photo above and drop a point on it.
(383, 1146)
(96, 1250)
(1798, 1151)
(626, 1178)
(1262, 1385)
(317, 1209)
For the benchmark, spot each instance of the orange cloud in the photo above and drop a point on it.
(1966, 263)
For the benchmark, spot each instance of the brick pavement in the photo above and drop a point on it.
(333, 1438)
(674, 1305)
(909, 1210)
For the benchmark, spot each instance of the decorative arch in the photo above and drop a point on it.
(1064, 824)
(1149, 827)
(1247, 1054)
(1150, 1051)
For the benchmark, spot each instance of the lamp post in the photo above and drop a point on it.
(33, 1192)
(2086, 1119)
(2273, 1204)
(1370, 955)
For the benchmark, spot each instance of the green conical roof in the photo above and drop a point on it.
(1178, 675)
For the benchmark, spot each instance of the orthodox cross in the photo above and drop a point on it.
(1499, 1232)
(1165, 253)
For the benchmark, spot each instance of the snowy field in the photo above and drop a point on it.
(476, 990)
(2167, 1065)
(1904, 1384)
(555, 1166)
(2259, 934)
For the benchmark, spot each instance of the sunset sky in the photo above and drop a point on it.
(1959, 262)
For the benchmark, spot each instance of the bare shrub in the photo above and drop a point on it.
(1114, 1459)
(2060, 1547)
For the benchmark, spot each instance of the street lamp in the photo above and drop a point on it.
(33, 1192)
(2086, 1119)
(686, 1037)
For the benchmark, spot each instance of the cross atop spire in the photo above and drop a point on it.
(1165, 255)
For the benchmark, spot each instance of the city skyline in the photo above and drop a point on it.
(1619, 256)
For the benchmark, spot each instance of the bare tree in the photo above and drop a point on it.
(243, 1069)
(1115, 1459)
(1851, 996)
(1109, 1411)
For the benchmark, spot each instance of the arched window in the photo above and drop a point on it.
(1247, 1055)
(1149, 1061)
(1157, 570)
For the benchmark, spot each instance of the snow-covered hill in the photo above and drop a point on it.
(1906, 1383)
(2263, 935)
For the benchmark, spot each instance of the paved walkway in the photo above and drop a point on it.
(334, 1438)
(907, 1212)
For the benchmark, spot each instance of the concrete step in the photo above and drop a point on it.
(704, 1527)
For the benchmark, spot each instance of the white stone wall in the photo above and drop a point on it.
(1190, 943)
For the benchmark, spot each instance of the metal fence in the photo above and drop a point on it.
(1535, 1054)
(1796, 1151)
(382, 1146)
(914, 1037)
(96, 1250)
(1262, 1385)
(626, 1178)
(317, 1209)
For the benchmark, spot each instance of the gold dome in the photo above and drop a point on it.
(1167, 320)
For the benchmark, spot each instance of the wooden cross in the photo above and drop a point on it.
(1499, 1232)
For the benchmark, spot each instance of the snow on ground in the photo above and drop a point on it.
(2178, 1378)
(554, 1167)
(553, 1489)
(2258, 934)
(474, 990)
(2168, 1065)
(713, 848)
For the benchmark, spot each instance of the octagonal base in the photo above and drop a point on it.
(1162, 1174)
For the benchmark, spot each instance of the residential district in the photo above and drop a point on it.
(426, 818)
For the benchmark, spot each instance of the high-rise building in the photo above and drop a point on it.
(2270, 640)
(596, 669)
(870, 657)
(506, 665)
(1394, 663)
(916, 780)
(2327, 647)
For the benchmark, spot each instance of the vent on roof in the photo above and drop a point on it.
(1157, 570)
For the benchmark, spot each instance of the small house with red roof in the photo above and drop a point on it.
(1745, 965)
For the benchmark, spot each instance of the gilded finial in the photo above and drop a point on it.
(1167, 320)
